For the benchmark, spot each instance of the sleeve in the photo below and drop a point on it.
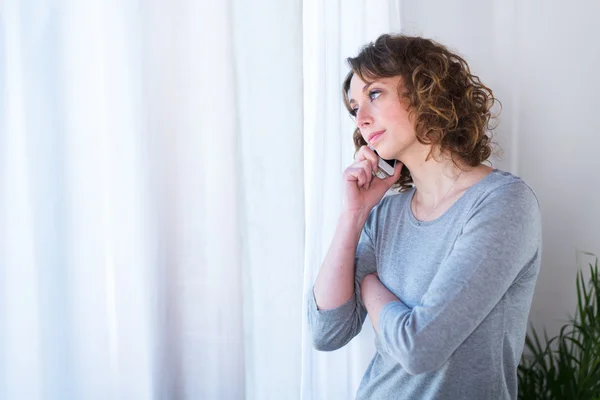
(501, 238)
(333, 329)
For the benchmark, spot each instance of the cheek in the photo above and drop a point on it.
(398, 120)
(394, 113)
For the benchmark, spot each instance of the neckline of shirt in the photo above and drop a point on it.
(417, 222)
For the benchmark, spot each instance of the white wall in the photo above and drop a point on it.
(541, 59)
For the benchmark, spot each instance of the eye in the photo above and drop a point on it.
(373, 94)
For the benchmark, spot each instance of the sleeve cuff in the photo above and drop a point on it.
(341, 312)
(393, 307)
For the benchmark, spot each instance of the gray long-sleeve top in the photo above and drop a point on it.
(465, 283)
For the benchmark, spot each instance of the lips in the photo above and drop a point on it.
(375, 136)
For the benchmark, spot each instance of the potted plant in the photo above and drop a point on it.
(566, 366)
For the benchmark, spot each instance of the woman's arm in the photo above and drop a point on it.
(335, 282)
(335, 310)
(375, 296)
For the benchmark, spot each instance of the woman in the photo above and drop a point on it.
(446, 268)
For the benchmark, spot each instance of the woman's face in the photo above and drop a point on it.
(381, 116)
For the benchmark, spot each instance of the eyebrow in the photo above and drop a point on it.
(365, 88)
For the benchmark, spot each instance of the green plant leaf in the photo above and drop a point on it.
(567, 366)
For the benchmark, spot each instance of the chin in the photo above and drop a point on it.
(385, 153)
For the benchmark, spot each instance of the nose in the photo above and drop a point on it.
(363, 117)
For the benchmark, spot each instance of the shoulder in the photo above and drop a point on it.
(506, 204)
(507, 191)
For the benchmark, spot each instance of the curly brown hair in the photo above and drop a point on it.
(450, 107)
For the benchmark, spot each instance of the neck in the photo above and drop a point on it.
(432, 178)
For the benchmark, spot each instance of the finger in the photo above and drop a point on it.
(365, 153)
(368, 171)
(362, 177)
(350, 174)
(365, 166)
(356, 173)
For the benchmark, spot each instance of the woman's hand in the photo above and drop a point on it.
(375, 296)
(362, 190)
(375, 274)
(367, 280)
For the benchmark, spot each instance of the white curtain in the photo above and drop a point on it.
(151, 199)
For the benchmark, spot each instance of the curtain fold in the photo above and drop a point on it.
(151, 200)
(268, 49)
